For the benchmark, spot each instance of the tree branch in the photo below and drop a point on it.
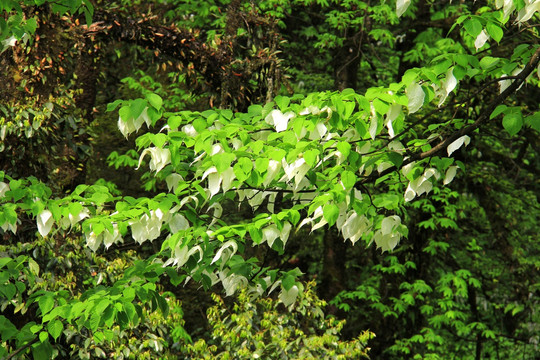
(483, 118)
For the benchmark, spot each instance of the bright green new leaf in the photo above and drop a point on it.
(310, 156)
(155, 100)
(55, 328)
(348, 179)
(331, 213)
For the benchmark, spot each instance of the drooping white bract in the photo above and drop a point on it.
(528, 11)
(45, 222)
(447, 86)
(106, 238)
(226, 250)
(218, 211)
(72, 220)
(296, 170)
(270, 234)
(355, 226)
(318, 132)
(416, 96)
(189, 130)
(387, 237)
(182, 253)
(279, 120)
(231, 282)
(481, 39)
(109, 239)
(173, 180)
(288, 297)
(147, 227)
(401, 6)
(392, 115)
(421, 184)
(457, 144)
(504, 84)
(177, 223)
(159, 158)
(10, 41)
(214, 180)
(7, 226)
(271, 172)
(450, 174)
(127, 126)
(373, 125)
(3, 189)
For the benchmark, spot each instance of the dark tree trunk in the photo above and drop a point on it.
(333, 275)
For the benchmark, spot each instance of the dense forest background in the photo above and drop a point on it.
(456, 277)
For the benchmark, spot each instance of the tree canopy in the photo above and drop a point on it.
(386, 150)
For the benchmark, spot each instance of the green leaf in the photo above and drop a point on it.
(174, 121)
(331, 213)
(288, 282)
(137, 107)
(348, 179)
(512, 123)
(112, 106)
(4, 261)
(155, 100)
(534, 121)
(46, 303)
(261, 164)
(494, 31)
(473, 27)
(7, 329)
(499, 109)
(282, 102)
(222, 161)
(43, 350)
(395, 158)
(256, 234)
(55, 328)
(310, 156)
(43, 336)
(344, 148)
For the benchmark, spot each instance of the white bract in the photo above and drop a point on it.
(231, 282)
(450, 174)
(226, 250)
(45, 222)
(457, 144)
(7, 226)
(355, 226)
(214, 180)
(528, 11)
(177, 223)
(421, 184)
(416, 96)
(288, 297)
(270, 234)
(448, 85)
(10, 41)
(279, 120)
(401, 6)
(159, 158)
(392, 115)
(173, 180)
(387, 237)
(147, 227)
(127, 126)
(504, 84)
(481, 39)
(3, 188)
